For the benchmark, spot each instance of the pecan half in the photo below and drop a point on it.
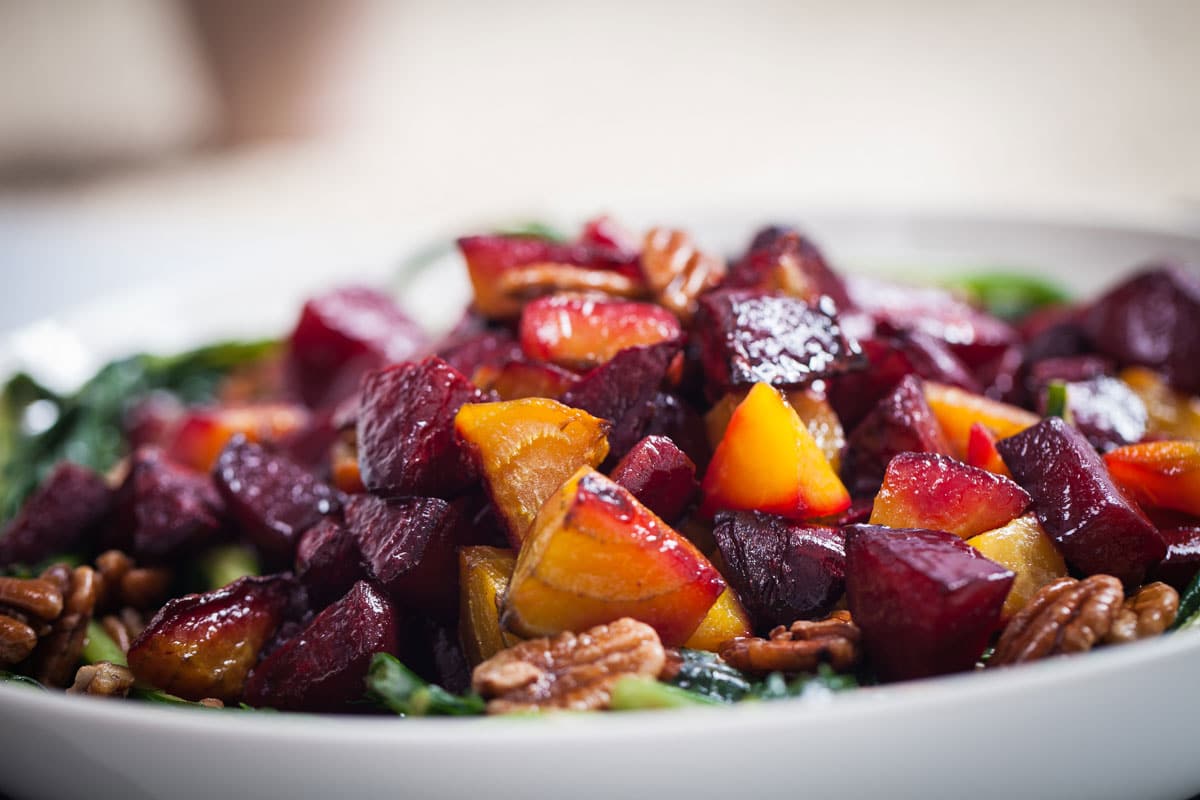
(38, 597)
(123, 583)
(677, 271)
(1148, 613)
(800, 647)
(17, 640)
(1065, 616)
(58, 653)
(534, 280)
(102, 680)
(569, 671)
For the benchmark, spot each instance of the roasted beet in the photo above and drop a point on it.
(324, 667)
(623, 391)
(406, 442)
(606, 232)
(409, 547)
(1183, 556)
(204, 645)
(490, 348)
(328, 562)
(747, 337)
(901, 422)
(272, 499)
(926, 601)
(517, 379)
(152, 419)
(782, 571)
(162, 509)
(660, 475)
(781, 259)
(59, 517)
(341, 335)
(580, 331)
(1095, 527)
(1105, 410)
(680, 422)
(1150, 320)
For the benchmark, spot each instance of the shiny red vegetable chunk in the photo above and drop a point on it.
(580, 331)
(659, 475)
(62, 515)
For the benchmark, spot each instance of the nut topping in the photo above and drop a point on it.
(800, 647)
(125, 584)
(1065, 616)
(546, 278)
(1148, 613)
(17, 641)
(102, 679)
(59, 651)
(570, 671)
(677, 271)
(38, 597)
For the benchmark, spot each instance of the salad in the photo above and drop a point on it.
(634, 475)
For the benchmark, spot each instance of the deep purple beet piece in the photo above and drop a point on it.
(406, 441)
(488, 348)
(659, 475)
(1105, 410)
(272, 499)
(1097, 529)
(410, 548)
(1183, 556)
(328, 562)
(778, 248)
(324, 667)
(748, 337)
(926, 601)
(782, 571)
(60, 516)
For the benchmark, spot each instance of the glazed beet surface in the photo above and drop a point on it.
(660, 475)
(1182, 561)
(61, 516)
(328, 561)
(1105, 410)
(782, 258)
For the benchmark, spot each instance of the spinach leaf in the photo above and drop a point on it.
(1189, 607)
(823, 683)
(1008, 295)
(397, 687)
(20, 680)
(635, 693)
(705, 674)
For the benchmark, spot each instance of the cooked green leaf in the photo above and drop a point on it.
(1009, 295)
(401, 690)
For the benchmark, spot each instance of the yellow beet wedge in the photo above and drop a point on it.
(957, 410)
(483, 574)
(726, 620)
(1027, 550)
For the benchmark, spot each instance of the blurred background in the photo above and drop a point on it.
(145, 138)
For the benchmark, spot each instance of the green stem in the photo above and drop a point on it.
(99, 646)
(635, 694)
(222, 566)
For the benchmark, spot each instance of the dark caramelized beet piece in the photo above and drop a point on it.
(328, 562)
(1097, 529)
(1183, 556)
(490, 348)
(747, 337)
(926, 601)
(341, 335)
(781, 258)
(324, 667)
(59, 517)
(410, 548)
(406, 441)
(162, 509)
(782, 571)
(901, 422)
(660, 475)
(1105, 410)
(623, 391)
(204, 645)
(680, 422)
(272, 499)
(1151, 320)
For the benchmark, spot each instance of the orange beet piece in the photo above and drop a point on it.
(768, 461)
(516, 379)
(483, 575)
(594, 555)
(1161, 474)
(204, 432)
(580, 331)
(726, 620)
(957, 410)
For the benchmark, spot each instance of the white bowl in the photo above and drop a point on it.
(1118, 723)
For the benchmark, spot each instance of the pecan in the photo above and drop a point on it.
(1065, 616)
(546, 278)
(102, 679)
(800, 647)
(17, 640)
(211, 702)
(58, 652)
(1148, 613)
(122, 583)
(38, 597)
(569, 671)
(677, 271)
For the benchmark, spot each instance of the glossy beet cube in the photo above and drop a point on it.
(163, 509)
(344, 333)
(60, 516)
(1097, 529)
(1183, 556)
(272, 499)
(204, 645)
(782, 571)
(406, 441)
(747, 337)
(624, 391)
(328, 562)
(409, 547)
(926, 601)
(583, 331)
(659, 475)
(1105, 410)
(1150, 320)
(323, 668)
(901, 422)
(781, 259)
(517, 379)
(487, 349)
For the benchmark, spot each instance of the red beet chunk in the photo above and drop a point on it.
(60, 516)
(406, 441)
(926, 601)
(1183, 556)
(163, 509)
(410, 548)
(498, 252)
(624, 391)
(271, 498)
(490, 348)
(747, 337)
(204, 645)
(328, 562)
(780, 258)
(344, 333)
(1097, 529)
(517, 379)
(660, 475)
(782, 571)
(579, 331)
(606, 232)
(153, 419)
(1105, 410)
(324, 667)
(1150, 319)
(680, 422)
(901, 422)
